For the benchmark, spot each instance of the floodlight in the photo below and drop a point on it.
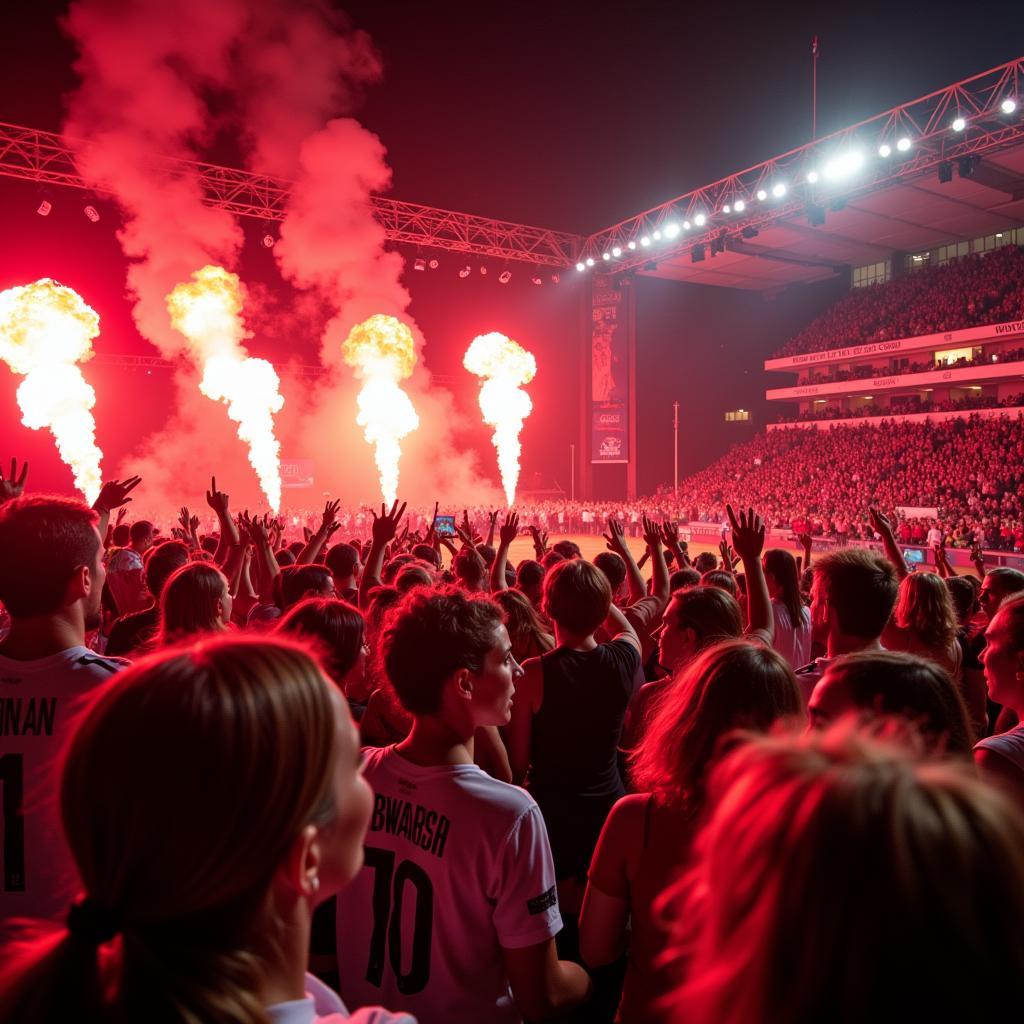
(580, 267)
(504, 277)
(687, 225)
(903, 144)
(1009, 105)
(606, 256)
(671, 230)
(700, 220)
(846, 163)
(778, 190)
(739, 206)
(959, 124)
(645, 240)
(590, 261)
(812, 176)
(657, 236)
(616, 252)
(762, 195)
(631, 244)
(727, 208)
(885, 150)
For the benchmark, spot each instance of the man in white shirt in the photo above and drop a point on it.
(454, 914)
(934, 535)
(51, 578)
(126, 576)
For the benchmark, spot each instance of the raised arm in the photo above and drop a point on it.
(385, 526)
(616, 538)
(508, 533)
(328, 525)
(492, 520)
(660, 579)
(540, 542)
(13, 485)
(229, 538)
(670, 535)
(883, 527)
(113, 494)
(748, 540)
(978, 558)
(267, 567)
(618, 627)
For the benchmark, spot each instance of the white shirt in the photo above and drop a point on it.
(934, 536)
(457, 868)
(38, 700)
(126, 579)
(793, 642)
(323, 1005)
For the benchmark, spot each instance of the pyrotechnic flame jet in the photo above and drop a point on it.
(207, 310)
(45, 329)
(382, 352)
(504, 366)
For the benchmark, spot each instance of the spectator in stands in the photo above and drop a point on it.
(924, 622)
(997, 585)
(343, 561)
(208, 873)
(881, 683)
(799, 824)
(528, 633)
(195, 600)
(126, 576)
(645, 841)
(792, 618)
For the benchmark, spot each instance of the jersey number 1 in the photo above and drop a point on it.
(388, 891)
(12, 779)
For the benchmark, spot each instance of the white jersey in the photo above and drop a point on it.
(38, 700)
(457, 868)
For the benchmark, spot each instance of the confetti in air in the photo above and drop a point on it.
(382, 352)
(45, 330)
(504, 366)
(207, 310)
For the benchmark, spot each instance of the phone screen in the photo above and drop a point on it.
(445, 526)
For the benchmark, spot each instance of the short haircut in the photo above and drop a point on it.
(705, 562)
(142, 529)
(298, 580)
(414, 574)
(1005, 580)
(722, 579)
(284, 557)
(342, 560)
(209, 544)
(469, 567)
(712, 613)
(44, 539)
(551, 558)
(122, 535)
(862, 588)
(334, 629)
(567, 549)
(613, 565)
(162, 560)
(430, 636)
(529, 574)
(577, 596)
(428, 554)
(393, 566)
(683, 578)
(487, 553)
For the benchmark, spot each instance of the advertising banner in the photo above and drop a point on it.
(609, 374)
(296, 473)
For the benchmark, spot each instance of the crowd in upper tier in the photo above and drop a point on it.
(268, 779)
(966, 292)
(903, 405)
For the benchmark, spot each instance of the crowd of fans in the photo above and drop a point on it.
(251, 778)
(967, 292)
(866, 370)
(905, 405)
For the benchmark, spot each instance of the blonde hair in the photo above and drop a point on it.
(840, 879)
(186, 782)
(925, 607)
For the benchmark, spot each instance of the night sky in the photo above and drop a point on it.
(562, 114)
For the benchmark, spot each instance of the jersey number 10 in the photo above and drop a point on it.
(388, 891)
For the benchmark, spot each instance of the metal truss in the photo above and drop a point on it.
(926, 122)
(308, 372)
(45, 158)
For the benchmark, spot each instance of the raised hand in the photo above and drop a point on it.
(509, 529)
(114, 494)
(122, 515)
(385, 526)
(670, 533)
(728, 556)
(747, 533)
(652, 534)
(330, 516)
(804, 539)
(616, 536)
(880, 522)
(540, 541)
(217, 500)
(13, 485)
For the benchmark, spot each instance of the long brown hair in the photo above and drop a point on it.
(736, 684)
(188, 603)
(782, 567)
(924, 606)
(526, 629)
(185, 783)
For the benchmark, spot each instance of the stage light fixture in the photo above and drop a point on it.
(815, 215)
(483, 271)
(885, 150)
(903, 145)
(687, 225)
(778, 190)
(697, 254)
(44, 208)
(657, 236)
(465, 272)
(671, 230)
(843, 165)
(700, 220)
(268, 241)
(616, 252)
(959, 124)
(631, 244)
(92, 213)
(651, 265)
(750, 232)
(536, 279)
(739, 206)
(504, 277)
(1009, 105)
(727, 208)
(434, 263)
(945, 172)
(606, 256)
(966, 164)
(590, 261)
(762, 195)
(645, 240)
(580, 267)
(555, 278)
(812, 177)
(419, 263)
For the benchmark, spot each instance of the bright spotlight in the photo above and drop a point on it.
(465, 272)
(504, 277)
(840, 166)
(687, 225)
(590, 261)
(762, 195)
(959, 124)
(885, 150)
(671, 230)
(739, 206)
(645, 240)
(903, 145)
(631, 244)
(606, 256)
(657, 236)
(778, 190)
(727, 208)
(1008, 106)
(616, 252)
(812, 176)
(700, 220)
(581, 267)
